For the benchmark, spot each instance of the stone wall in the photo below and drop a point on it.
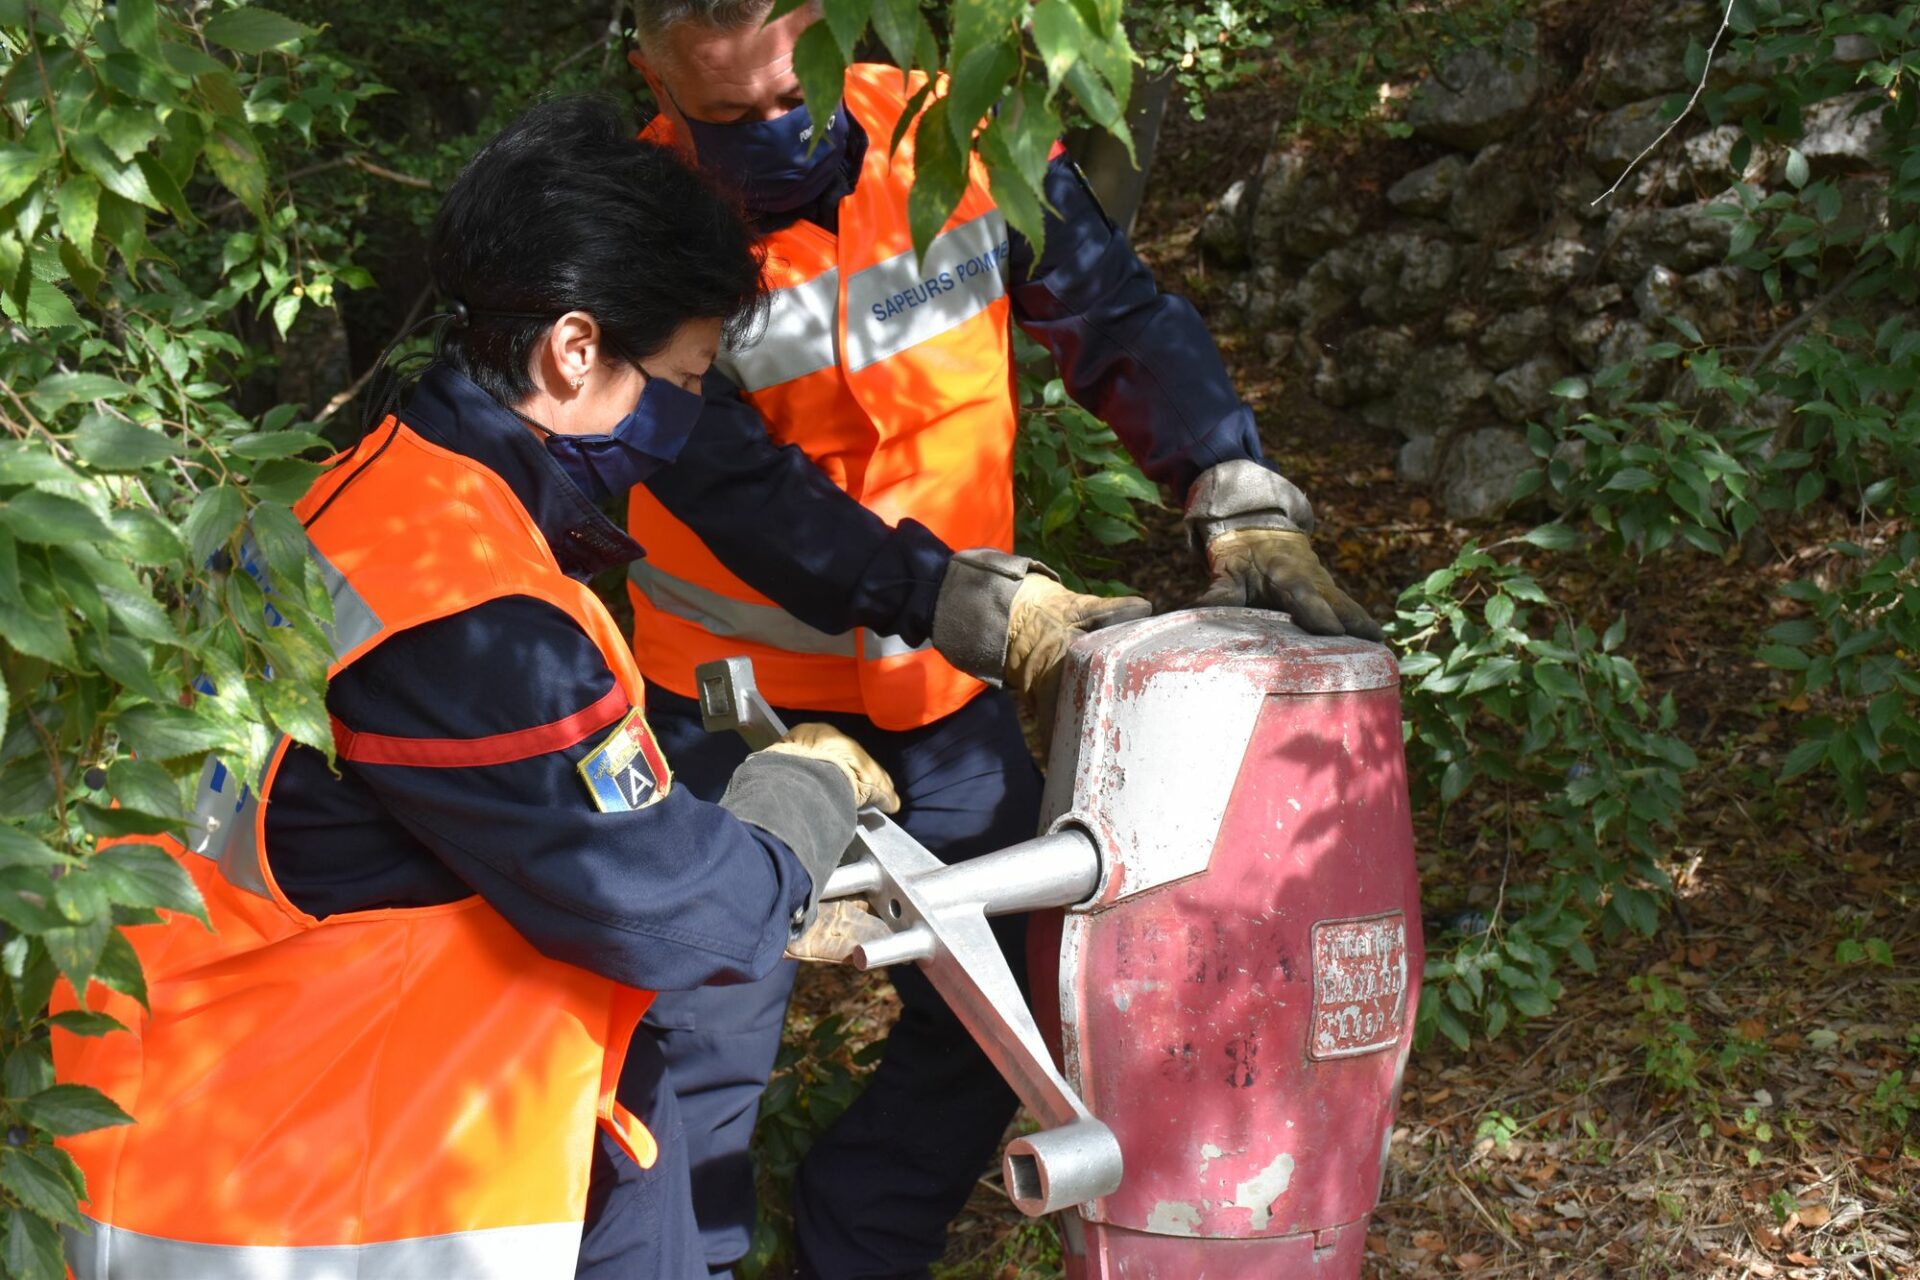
(1447, 297)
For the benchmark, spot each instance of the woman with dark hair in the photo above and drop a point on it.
(398, 1052)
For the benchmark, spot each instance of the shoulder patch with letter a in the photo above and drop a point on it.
(627, 771)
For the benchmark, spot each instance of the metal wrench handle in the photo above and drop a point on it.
(938, 915)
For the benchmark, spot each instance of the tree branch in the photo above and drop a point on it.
(1726, 19)
(344, 398)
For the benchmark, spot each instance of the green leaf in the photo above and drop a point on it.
(1796, 168)
(211, 520)
(34, 1249)
(285, 309)
(79, 207)
(138, 27)
(940, 177)
(18, 849)
(76, 948)
(234, 157)
(976, 23)
(1631, 479)
(80, 897)
(50, 519)
(20, 168)
(124, 180)
(823, 76)
(254, 30)
(85, 1022)
(259, 445)
(1499, 612)
(144, 875)
(31, 463)
(1803, 758)
(1060, 33)
(165, 733)
(1570, 389)
(109, 443)
(848, 21)
(144, 537)
(144, 786)
(120, 968)
(1553, 537)
(976, 85)
(299, 711)
(68, 1109)
(58, 390)
(163, 185)
(899, 24)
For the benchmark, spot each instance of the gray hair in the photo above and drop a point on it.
(654, 18)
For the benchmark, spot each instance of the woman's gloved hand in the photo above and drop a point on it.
(871, 785)
(1277, 569)
(839, 929)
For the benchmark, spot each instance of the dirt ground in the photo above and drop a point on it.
(1737, 1097)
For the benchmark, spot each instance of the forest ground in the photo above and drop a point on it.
(1758, 1114)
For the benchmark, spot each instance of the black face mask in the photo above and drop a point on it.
(609, 463)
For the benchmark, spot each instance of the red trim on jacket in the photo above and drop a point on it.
(468, 753)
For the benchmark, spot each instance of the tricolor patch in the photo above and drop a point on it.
(627, 771)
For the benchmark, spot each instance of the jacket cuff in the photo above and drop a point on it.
(806, 804)
(975, 606)
(1242, 494)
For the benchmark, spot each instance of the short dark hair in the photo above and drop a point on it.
(566, 209)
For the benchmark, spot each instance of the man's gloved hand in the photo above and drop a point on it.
(1043, 622)
(1254, 528)
(871, 785)
(1276, 569)
(1006, 619)
(837, 931)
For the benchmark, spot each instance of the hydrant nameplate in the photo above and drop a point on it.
(1359, 985)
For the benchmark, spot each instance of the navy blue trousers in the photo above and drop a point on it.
(639, 1222)
(875, 1194)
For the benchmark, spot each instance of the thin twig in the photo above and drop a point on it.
(343, 398)
(1726, 19)
(379, 171)
(1807, 314)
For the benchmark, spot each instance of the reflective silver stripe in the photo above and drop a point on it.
(225, 810)
(353, 622)
(757, 623)
(547, 1251)
(735, 619)
(895, 304)
(874, 645)
(799, 337)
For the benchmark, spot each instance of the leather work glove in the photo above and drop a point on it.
(841, 927)
(1042, 624)
(1006, 619)
(1276, 569)
(1254, 527)
(871, 785)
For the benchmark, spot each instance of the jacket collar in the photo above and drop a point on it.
(449, 409)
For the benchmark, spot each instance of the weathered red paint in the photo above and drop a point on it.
(1241, 1018)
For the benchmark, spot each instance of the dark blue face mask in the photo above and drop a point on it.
(768, 159)
(647, 439)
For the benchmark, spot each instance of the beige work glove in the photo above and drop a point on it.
(1255, 528)
(1043, 623)
(842, 927)
(871, 785)
(1277, 569)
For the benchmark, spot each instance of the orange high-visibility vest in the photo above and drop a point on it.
(896, 379)
(385, 1093)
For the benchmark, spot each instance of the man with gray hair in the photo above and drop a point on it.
(844, 516)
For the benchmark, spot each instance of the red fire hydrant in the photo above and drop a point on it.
(1235, 1001)
(1230, 990)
